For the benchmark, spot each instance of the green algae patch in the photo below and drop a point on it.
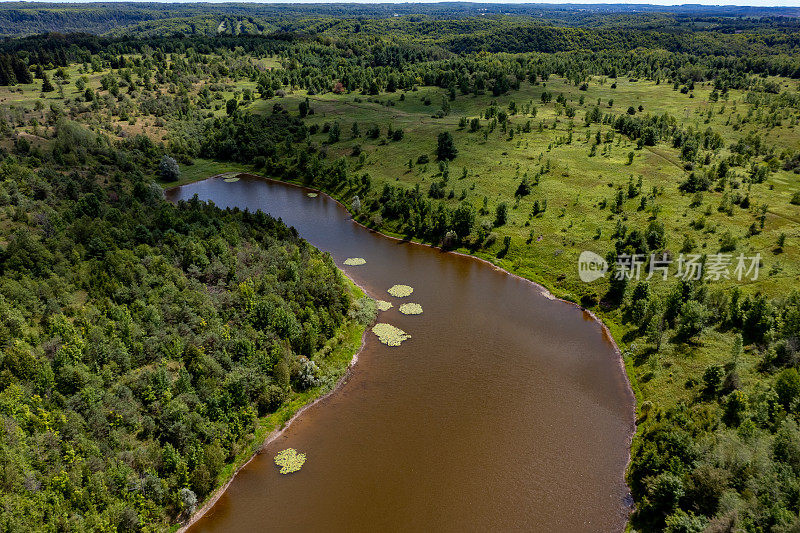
(290, 461)
(411, 309)
(400, 291)
(390, 335)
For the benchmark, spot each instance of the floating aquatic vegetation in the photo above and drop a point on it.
(231, 179)
(383, 305)
(400, 291)
(312, 194)
(290, 461)
(389, 334)
(354, 261)
(411, 309)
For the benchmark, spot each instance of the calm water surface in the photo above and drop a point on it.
(504, 411)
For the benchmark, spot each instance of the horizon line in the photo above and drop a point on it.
(578, 3)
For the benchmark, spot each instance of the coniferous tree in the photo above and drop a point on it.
(446, 149)
(47, 85)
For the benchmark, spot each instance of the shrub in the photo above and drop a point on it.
(168, 169)
(188, 500)
(787, 386)
(693, 318)
(501, 214)
(727, 243)
(364, 310)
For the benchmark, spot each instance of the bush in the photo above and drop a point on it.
(450, 240)
(693, 317)
(501, 214)
(682, 522)
(787, 386)
(364, 310)
(727, 242)
(168, 169)
(188, 500)
(786, 447)
(695, 182)
(269, 399)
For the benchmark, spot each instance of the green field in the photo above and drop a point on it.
(545, 247)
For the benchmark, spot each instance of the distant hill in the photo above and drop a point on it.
(151, 19)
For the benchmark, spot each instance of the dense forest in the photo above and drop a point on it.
(145, 344)
(23, 18)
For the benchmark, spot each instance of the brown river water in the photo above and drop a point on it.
(506, 410)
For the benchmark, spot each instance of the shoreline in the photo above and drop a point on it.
(272, 436)
(277, 432)
(543, 290)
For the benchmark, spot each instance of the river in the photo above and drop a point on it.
(506, 410)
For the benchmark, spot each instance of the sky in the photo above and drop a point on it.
(760, 3)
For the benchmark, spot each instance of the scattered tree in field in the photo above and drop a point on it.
(693, 318)
(334, 133)
(501, 214)
(523, 189)
(463, 219)
(446, 149)
(231, 106)
(712, 379)
(506, 246)
(47, 85)
(737, 348)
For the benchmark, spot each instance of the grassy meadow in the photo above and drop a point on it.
(575, 184)
(573, 181)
